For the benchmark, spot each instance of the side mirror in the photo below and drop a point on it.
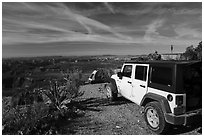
(120, 75)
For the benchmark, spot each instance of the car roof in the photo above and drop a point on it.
(164, 62)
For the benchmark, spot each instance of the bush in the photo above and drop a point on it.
(193, 53)
(103, 75)
(25, 96)
(60, 94)
(35, 119)
(25, 119)
(42, 118)
(154, 56)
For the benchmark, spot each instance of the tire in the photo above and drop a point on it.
(112, 92)
(154, 118)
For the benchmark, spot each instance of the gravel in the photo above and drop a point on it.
(122, 117)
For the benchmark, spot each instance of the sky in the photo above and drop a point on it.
(84, 28)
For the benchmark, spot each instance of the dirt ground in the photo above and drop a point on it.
(122, 117)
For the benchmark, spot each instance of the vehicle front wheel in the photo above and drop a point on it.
(111, 92)
(154, 117)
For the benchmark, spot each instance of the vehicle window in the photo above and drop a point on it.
(162, 75)
(127, 71)
(91, 76)
(141, 73)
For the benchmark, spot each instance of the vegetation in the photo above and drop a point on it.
(38, 93)
(19, 73)
(47, 116)
(154, 56)
(103, 75)
(193, 53)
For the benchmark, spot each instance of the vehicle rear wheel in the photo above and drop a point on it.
(154, 117)
(112, 93)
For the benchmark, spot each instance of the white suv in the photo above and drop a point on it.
(169, 91)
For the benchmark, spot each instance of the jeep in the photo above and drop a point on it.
(169, 91)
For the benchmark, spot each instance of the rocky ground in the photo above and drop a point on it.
(100, 116)
(122, 117)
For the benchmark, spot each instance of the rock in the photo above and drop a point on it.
(117, 126)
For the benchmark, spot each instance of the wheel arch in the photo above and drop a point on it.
(114, 91)
(149, 97)
(113, 82)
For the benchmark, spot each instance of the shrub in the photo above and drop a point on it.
(103, 75)
(25, 119)
(39, 117)
(25, 96)
(193, 53)
(154, 56)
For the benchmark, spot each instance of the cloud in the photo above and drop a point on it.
(116, 23)
(91, 24)
(110, 8)
(60, 22)
(151, 33)
(188, 33)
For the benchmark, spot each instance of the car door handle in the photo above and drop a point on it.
(142, 86)
(129, 82)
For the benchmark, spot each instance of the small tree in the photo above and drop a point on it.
(198, 50)
(192, 53)
(154, 56)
